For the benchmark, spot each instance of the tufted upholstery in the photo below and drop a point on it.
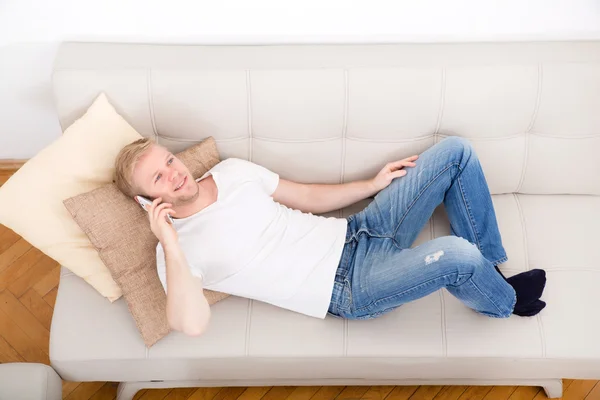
(332, 114)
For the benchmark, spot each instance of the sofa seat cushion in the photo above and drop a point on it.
(29, 381)
(435, 336)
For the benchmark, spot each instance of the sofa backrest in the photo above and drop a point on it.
(338, 113)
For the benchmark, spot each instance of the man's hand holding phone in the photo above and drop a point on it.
(162, 229)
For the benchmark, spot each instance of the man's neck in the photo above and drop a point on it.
(203, 200)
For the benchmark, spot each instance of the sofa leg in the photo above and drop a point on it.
(127, 390)
(554, 389)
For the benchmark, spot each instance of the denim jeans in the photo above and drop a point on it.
(378, 271)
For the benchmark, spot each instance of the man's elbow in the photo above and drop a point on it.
(193, 328)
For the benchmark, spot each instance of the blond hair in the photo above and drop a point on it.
(125, 164)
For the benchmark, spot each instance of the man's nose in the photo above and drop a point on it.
(174, 175)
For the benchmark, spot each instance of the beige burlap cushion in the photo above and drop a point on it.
(119, 229)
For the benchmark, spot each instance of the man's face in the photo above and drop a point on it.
(158, 173)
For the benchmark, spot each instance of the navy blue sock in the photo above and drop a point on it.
(531, 309)
(529, 286)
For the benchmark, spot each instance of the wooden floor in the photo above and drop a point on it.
(28, 286)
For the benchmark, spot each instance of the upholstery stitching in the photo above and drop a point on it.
(249, 101)
(248, 323)
(444, 328)
(345, 125)
(375, 140)
(524, 228)
(151, 102)
(538, 98)
(530, 127)
(525, 162)
(442, 102)
(442, 302)
(345, 337)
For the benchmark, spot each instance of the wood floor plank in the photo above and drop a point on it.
(20, 267)
(8, 353)
(254, 393)
(139, 394)
(180, 393)
(50, 298)
(475, 393)
(107, 392)
(426, 392)
(277, 393)
(156, 394)
(3, 229)
(208, 393)
(230, 393)
(24, 319)
(327, 393)
(353, 392)
(19, 340)
(38, 307)
(595, 393)
(84, 390)
(500, 393)
(48, 282)
(7, 239)
(579, 389)
(524, 393)
(402, 392)
(10, 255)
(301, 393)
(451, 393)
(30, 278)
(377, 392)
(68, 387)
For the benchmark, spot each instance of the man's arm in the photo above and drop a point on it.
(188, 310)
(321, 198)
(318, 198)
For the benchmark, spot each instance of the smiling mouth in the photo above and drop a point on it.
(181, 184)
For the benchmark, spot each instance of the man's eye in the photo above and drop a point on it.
(170, 161)
(158, 177)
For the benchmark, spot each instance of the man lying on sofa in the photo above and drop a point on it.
(240, 229)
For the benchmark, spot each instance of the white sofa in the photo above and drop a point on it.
(337, 113)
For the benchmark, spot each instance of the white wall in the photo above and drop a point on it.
(30, 31)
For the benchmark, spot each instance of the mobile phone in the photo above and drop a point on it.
(146, 203)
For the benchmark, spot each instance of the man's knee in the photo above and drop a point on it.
(466, 254)
(459, 145)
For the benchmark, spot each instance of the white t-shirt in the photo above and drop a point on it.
(248, 245)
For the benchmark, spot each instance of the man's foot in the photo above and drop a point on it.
(529, 310)
(529, 285)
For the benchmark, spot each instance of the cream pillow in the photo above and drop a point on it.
(82, 159)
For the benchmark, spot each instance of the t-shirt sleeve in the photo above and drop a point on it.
(268, 178)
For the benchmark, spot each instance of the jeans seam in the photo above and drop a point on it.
(468, 207)
(485, 295)
(409, 208)
(421, 285)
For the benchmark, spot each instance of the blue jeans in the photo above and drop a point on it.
(378, 271)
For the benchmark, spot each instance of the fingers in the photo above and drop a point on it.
(398, 174)
(401, 163)
(162, 215)
(157, 210)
